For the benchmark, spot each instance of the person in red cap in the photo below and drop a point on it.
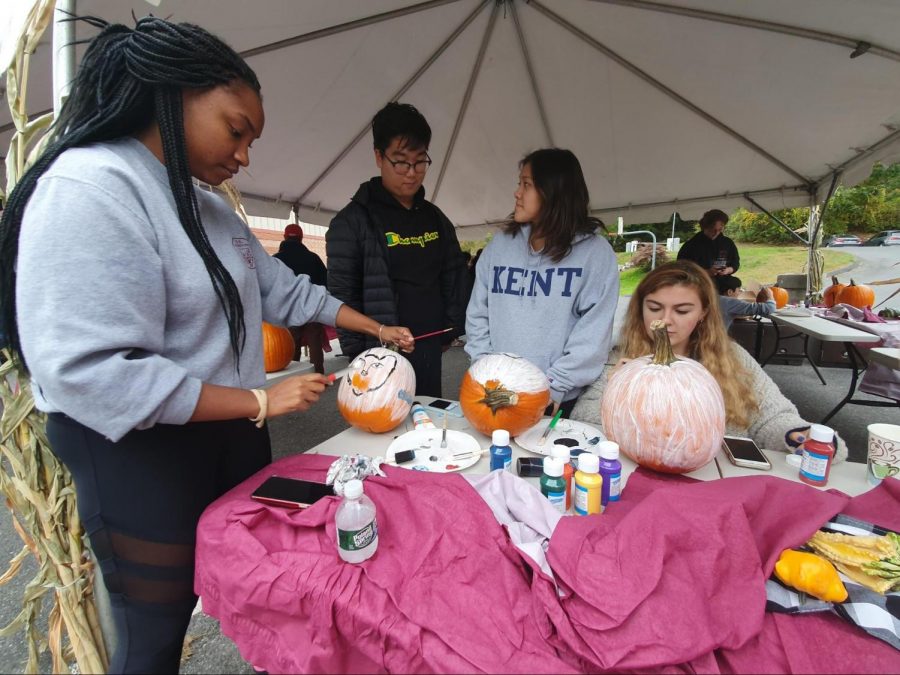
(301, 260)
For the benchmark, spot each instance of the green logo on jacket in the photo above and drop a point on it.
(394, 239)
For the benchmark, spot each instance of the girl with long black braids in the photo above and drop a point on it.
(136, 301)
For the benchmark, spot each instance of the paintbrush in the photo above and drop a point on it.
(543, 438)
(444, 433)
(432, 334)
(468, 455)
(337, 375)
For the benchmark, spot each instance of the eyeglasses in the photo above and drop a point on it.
(402, 168)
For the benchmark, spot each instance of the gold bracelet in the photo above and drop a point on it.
(263, 399)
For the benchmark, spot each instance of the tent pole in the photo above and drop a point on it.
(774, 217)
(467, 96)
(671, 93)
(63, 52)
(531, 76)
(409, 83)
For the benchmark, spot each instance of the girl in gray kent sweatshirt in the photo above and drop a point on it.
(136, 302)
(546, 286)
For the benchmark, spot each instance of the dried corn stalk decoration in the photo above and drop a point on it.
(39, 490)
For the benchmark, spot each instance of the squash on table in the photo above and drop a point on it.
(780, 295)
(665, 412)
(832, 292)
(503, 391)
(278, 347)
(377, 392)
(857, 295)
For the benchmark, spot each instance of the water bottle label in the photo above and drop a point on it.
(615, 487)
(356, 540)
(558, 500)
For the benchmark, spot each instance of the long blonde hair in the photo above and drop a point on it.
(709, 343)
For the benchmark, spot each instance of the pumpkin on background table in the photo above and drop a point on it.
(857, 295)
(665, 412)
(377, 392)
(780, 295)
(504, 391)
(278, 347)
(831, 293)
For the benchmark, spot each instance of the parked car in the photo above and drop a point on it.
(843, 240)
(884, 238)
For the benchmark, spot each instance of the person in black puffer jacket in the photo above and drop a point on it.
(394, 255)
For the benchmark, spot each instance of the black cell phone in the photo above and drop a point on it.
(291, 492)
(744, 452)
(440, 404)
(448, 407)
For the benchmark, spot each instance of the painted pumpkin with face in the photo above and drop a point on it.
(377, 392)
(665, 412)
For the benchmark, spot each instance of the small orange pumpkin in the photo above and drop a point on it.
(377, 392)
(831, 293)
(278, 347)
(858, 295)
(780, 295)
(504, 391)
(665, 412)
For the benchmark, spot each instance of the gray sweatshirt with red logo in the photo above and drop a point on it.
(117, 314)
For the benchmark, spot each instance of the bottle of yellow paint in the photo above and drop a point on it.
(588, 485)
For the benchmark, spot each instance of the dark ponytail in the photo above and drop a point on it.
(127, 79)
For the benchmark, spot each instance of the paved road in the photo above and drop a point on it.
(212, 652)
(874, 263)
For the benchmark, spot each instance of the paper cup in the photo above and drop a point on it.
(884, 452)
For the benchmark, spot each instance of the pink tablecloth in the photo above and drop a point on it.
(670, 578)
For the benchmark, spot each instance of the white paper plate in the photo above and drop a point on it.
(430, 456)
(570, 432)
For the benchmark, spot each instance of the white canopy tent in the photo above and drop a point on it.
(670, 105)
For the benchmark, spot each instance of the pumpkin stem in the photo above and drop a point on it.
(662, 347)
(498, 397)
(834, 281)
(852, 283)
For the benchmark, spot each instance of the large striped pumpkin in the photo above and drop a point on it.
(377, 392)
(503, 391)
(666, 413)
(278, 347)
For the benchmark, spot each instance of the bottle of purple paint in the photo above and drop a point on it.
(611, 471)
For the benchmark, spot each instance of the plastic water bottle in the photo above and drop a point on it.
(501, 453)
(357, 528)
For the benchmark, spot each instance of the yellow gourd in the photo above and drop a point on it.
(810, 574)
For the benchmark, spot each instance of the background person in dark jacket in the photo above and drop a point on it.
(301, 260)
(395, 254)
(711, 249)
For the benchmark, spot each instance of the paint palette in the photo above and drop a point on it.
(571, 433)
(430, 456)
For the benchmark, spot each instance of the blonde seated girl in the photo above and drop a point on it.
(682, 294)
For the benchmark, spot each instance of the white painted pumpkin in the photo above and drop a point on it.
(665, 412)
(377, 392)
(504, 391)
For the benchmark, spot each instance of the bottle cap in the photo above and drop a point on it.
(821, 433)
(500, 437)
(553, 467)
(560, 451)
(588, 463)
(608, 450)
(794, 460)
(353, 489)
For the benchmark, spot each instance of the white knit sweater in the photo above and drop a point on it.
(774, 418)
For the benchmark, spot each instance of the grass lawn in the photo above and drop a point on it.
(758, 263)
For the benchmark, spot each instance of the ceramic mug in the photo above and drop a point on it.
(884, 452)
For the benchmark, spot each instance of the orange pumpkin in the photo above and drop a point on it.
(377, 392)
(278, 347)
(831, 293)
(858, 295)
(780, 295)
(503, 391)
(665, 412)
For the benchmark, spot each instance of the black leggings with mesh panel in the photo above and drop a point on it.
(140, 499)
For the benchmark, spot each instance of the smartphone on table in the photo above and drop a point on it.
(291, 493)
(444, 406)
(746, 453)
